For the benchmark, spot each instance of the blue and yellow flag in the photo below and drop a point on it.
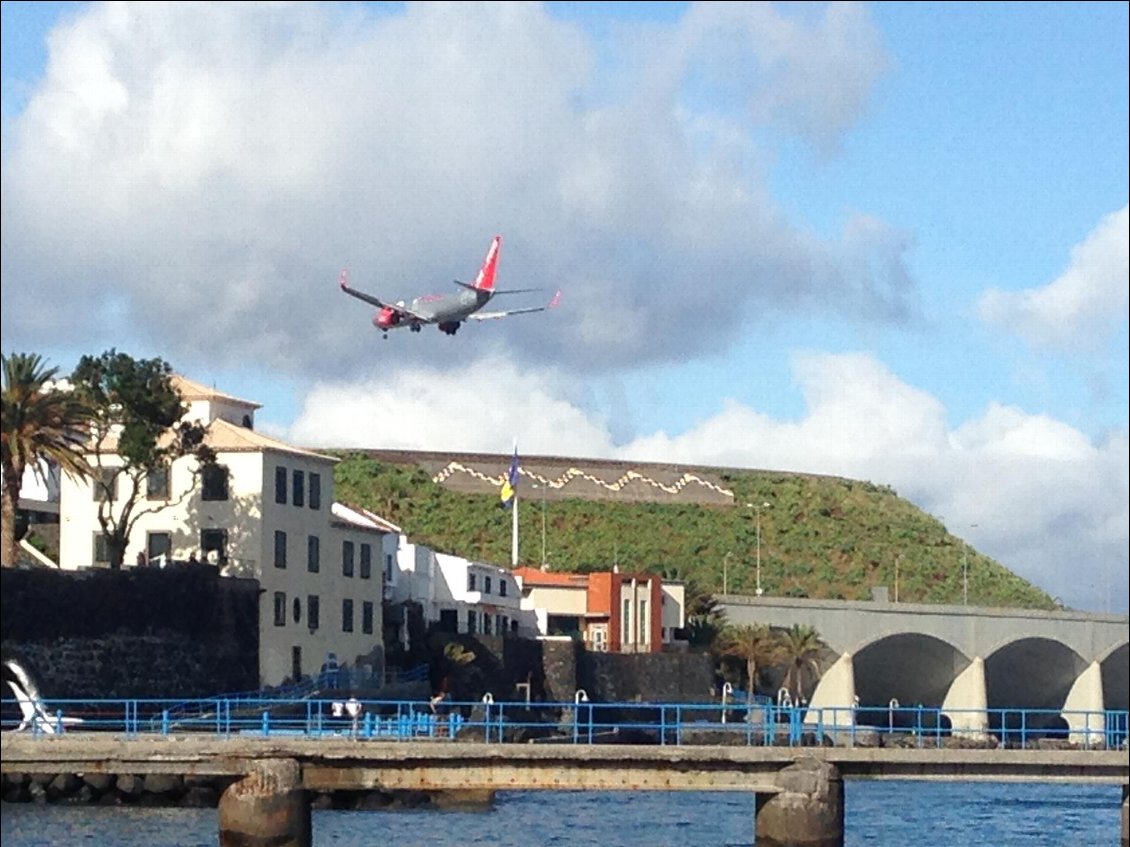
(510, 482)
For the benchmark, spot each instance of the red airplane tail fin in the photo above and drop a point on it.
(485, 280)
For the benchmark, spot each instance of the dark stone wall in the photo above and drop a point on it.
(555, 671)
(647, 677)
(177, 632)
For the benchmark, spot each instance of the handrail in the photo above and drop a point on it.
(583, 721)
(342, 677)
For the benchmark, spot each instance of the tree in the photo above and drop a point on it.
(800, 651)
(705, 621)
(41, 422)
(756, 645)
(137, 432)
(453, 660)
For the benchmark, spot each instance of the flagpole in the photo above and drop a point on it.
(514, 534)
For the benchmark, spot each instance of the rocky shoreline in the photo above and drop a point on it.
(203, 792)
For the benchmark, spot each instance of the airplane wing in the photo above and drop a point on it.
(375, 301)
(487, 316)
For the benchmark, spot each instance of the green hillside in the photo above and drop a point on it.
(821, 537)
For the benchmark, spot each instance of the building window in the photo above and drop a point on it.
(280, 608)
(280, 485)
(315, 491)
(486, 624)
(313, 612)
(101, 549)
(388, 568)
(299, 488)
(214, 546)
(502, 588)
(157, 484)
(347, 615)
(471, 583)
(448, 620)
(366, 561)
(280, 549)
(367, 617)
(214, 483)
(313, 554)
(472, 622)
(486, 585)
(347, 558)
(297, 605)
(105, 485)
(159, 547)
(503, 624)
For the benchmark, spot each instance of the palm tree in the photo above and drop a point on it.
(755, 644)
(39, 422)
(800, 651)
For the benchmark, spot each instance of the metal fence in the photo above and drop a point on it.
(582, 721)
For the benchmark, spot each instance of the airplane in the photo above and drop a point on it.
(447, 311)
(36, 717)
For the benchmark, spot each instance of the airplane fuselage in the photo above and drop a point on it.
(445, 310)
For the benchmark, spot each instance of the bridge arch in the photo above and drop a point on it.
(1115, 668)
(1031, 673)
(1034, 674)
(910, 667)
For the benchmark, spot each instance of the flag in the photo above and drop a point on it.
(510, 483)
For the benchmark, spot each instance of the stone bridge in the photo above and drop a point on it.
(971, 662)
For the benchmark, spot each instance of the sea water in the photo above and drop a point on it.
(883, 814)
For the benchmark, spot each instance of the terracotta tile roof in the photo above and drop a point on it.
(191, 390)
(225, 437)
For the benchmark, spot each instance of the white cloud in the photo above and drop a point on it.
(1031, 491)
(1084, 305)
(480, 407)
(207, 169)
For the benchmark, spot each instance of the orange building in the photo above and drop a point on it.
(611, 611)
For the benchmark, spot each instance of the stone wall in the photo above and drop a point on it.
(556, 670)
(177, 632)
(647, 677)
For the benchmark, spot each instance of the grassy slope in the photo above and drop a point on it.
(822, 537)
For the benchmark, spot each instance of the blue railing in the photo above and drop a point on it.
(582, 722)
(345, 678)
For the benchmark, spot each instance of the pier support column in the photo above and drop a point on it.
(1125, 816)
(267, 808)
(808, 811)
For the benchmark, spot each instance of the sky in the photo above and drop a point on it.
(881, 241)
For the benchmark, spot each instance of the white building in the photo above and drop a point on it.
(264, 511)
(457, 595)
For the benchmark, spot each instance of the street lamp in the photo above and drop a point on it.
(965, 569)
(725, 573)
(542, 487)
(898, 561)
(758, 509)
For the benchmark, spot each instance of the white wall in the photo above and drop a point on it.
(251, 517)
(329, 583)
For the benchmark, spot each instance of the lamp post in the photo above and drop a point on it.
(965, 569)
(758, 509)
(726, 573)
(543, 560)
(898, 561)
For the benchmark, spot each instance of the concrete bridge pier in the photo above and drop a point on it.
(1125, 816)
(808, 811)
(267, 808)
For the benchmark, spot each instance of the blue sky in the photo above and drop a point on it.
(885, 241)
